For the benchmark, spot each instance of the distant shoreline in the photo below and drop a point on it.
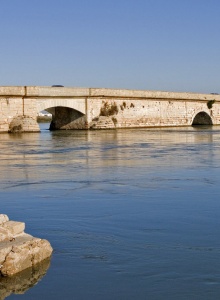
(44, 119)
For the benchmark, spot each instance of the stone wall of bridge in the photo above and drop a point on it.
(83, 108)
(121, 113)
(129, 109)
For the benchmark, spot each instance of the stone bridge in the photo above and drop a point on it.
(90, 108)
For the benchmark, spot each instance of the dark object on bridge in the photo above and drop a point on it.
(210, 103)
(57, 85)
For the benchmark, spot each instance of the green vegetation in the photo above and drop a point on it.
(108, 109)
(210, 103)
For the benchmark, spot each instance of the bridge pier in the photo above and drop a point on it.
(23, 124)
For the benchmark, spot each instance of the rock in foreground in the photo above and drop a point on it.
(18, 250)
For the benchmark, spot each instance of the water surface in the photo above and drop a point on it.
(130, 213)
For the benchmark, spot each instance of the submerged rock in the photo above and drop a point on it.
(18, 250)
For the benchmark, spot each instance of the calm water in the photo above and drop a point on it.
(131, 214)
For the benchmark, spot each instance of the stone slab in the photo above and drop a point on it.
(5, 235)
(12, 90)
(14, 227)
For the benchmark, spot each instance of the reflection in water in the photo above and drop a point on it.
(24, 157)
(23, 281)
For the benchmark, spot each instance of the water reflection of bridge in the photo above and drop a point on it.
(39, 158)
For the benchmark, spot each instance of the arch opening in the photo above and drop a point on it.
(44, 116)
(65, 118)
(202, 118)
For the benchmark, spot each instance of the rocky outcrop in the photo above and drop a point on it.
(18, 250)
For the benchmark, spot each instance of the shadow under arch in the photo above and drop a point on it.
(64, 118)
(202, 118)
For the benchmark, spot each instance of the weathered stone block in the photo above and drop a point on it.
(5, 235)
(13, 227)
(4, 250)
(18, 259)
(24, 254)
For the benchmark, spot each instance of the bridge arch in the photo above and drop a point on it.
(66, 118)
(76, 104)
(202, 118)
(66, 113)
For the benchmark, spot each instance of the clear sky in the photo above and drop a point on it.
(170, 45)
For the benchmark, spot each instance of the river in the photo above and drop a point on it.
(131, 214)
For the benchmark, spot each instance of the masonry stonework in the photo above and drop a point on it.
(87, 108)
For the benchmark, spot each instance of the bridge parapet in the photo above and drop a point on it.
(12, 91)
(151, 94)
(39, 91)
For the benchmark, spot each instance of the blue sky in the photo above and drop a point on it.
(170, 45)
